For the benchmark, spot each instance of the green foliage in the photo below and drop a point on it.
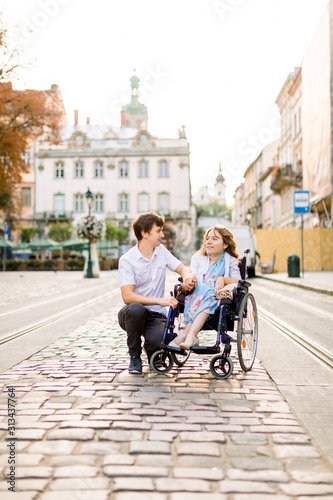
(27, 233)
(49, 264)
(60, 231)
(11, 265)
(214, 209)
(34, 264)
(75, 264)
(115, 233)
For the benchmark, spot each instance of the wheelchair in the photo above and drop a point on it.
(236, 317)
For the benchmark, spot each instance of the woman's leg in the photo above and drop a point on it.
(181, 336)
(194, 329)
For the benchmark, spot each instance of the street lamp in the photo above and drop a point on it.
(90, 200)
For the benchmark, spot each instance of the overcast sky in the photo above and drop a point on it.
(215, 66)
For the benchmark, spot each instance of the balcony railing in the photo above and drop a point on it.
(285, 176)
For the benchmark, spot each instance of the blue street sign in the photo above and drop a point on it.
(6, 228)
(301, 202)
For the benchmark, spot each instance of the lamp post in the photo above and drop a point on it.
(90, 200)
(249, 217)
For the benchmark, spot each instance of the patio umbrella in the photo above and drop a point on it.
(42, 244)
(21, 246)
(74, 244)
(104, 245)
(6, 243)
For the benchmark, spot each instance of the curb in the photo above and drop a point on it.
(297, 285)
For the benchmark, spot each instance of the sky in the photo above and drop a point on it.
(215, 66)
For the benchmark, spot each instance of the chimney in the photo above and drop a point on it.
(123, 118)
(88, 120)
(76, 118)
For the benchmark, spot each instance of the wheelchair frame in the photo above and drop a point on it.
(241, 309)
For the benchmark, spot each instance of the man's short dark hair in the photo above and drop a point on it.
(145, 222)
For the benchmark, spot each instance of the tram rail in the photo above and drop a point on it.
(315, 349)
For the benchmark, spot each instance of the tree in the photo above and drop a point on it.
(60, 231)
(27, 233)
(115, 233)
(24, 116)
(213, 209)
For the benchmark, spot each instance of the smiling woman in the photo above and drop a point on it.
(213, 267)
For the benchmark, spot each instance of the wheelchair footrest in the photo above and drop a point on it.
(200, 349)
(178, 350)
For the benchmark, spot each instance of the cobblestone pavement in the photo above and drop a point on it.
(87, 429)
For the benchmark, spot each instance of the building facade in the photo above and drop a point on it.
(255, 203)
(305, 153)
(128, 170)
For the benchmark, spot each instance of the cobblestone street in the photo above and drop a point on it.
(87, 429)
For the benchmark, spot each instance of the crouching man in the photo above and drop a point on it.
(142, 274)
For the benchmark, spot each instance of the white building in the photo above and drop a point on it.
(128, 170)
(203, 196)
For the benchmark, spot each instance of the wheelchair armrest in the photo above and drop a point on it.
(244, 284)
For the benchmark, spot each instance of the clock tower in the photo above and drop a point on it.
(135, 113)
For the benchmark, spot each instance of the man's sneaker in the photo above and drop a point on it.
(135, 365)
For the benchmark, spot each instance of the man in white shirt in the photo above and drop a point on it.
(142, 273)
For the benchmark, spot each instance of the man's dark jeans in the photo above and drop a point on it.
(138, 322)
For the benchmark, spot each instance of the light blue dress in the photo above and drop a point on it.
(203, 298)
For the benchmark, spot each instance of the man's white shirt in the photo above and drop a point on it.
(147, 275)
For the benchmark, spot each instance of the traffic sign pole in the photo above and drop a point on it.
(6, 231)
(302, 206)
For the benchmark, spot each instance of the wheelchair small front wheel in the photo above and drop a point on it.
(161, 361)
(180, 359)
(221, 367)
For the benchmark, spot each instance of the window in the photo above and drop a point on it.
(143, 202)
(143, 138)
(143, 168)
(123, 202)
(78, 203)
(26, 197)
(59, 204)
(123, 169)
(98, 169)
(59, 170)
(26, 157)
(99, 203)
(300, 118)
(163, 203)
(163, 169)
(79, 169)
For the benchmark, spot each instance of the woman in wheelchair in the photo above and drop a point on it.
(213, 267)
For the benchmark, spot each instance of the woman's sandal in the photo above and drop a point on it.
(190, 341)
(178, 340)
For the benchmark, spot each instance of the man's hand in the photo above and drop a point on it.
(168, 302)
(219, 284)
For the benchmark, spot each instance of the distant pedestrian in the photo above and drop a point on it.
(142, 273)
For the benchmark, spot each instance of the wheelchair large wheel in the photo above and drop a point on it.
(161, 361)
(180, 359)
(221, 367)
(247, 332)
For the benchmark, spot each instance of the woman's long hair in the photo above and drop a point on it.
(227, 238)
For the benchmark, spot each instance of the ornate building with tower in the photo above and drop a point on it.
(128, 169)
